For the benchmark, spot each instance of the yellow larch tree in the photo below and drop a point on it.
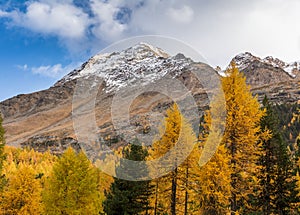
(172, 191)
(214, 177)
(72, 187)
(42, 163)
(22, 195)
(25, 172)
(241, 137)
(188, 172)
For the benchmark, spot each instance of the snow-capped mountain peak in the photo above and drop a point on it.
(141, 62)
(143, 47)
(244, 60)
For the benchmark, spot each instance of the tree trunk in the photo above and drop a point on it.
(173, 195)
(186, 191)
(156, 198)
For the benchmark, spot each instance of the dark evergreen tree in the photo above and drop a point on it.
(278, 186)
(129, 197)
(288, 119)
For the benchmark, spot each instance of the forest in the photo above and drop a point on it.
(254, 169)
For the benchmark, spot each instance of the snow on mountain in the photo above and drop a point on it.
(243, 60)
(141, 62)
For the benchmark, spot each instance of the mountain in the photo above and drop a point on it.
(245, 60)
(270, 76)
(43, 120)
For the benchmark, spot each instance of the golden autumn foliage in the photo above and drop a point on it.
(41, 162)
(218, 173)
(72, 187)
(167, 185)
(241, 136)
(213, 187)
(27, 174)
(25, 171)
(173, 191)
(22, 195)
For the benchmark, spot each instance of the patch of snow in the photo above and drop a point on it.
(243, 60)
(141, 62)
(291, 68)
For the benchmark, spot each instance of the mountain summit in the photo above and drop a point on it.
(141, 62)
(245, 60)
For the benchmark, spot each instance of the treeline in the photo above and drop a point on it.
(253, 170)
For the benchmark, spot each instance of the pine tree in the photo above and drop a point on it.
(72, 188)
(241, 137)
(278, 185)
(129, 197)
(269, 138)
(22, 195)
(297, 173)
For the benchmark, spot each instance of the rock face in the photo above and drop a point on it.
(270, 76)
(43, 120)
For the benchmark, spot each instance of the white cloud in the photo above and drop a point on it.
(22, 67)
(106, 27)
(182, 15)
(3, 13)
(221, 29)
(54, 71)
(60, 19)
(218, 29)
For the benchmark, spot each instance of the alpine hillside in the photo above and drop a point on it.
(43, 120)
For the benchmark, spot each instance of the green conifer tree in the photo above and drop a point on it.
(129, 197)
(278, 184)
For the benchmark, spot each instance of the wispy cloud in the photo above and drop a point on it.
(3, 14)
(54, 71)
(22, 67)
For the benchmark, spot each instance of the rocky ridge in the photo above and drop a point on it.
(270, 76)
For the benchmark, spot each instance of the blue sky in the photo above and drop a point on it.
(42, 40)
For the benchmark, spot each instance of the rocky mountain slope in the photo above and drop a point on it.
(43, 119)
(270, 76)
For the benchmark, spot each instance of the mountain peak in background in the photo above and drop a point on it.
(244, 60)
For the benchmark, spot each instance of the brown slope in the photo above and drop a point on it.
(43, 119)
